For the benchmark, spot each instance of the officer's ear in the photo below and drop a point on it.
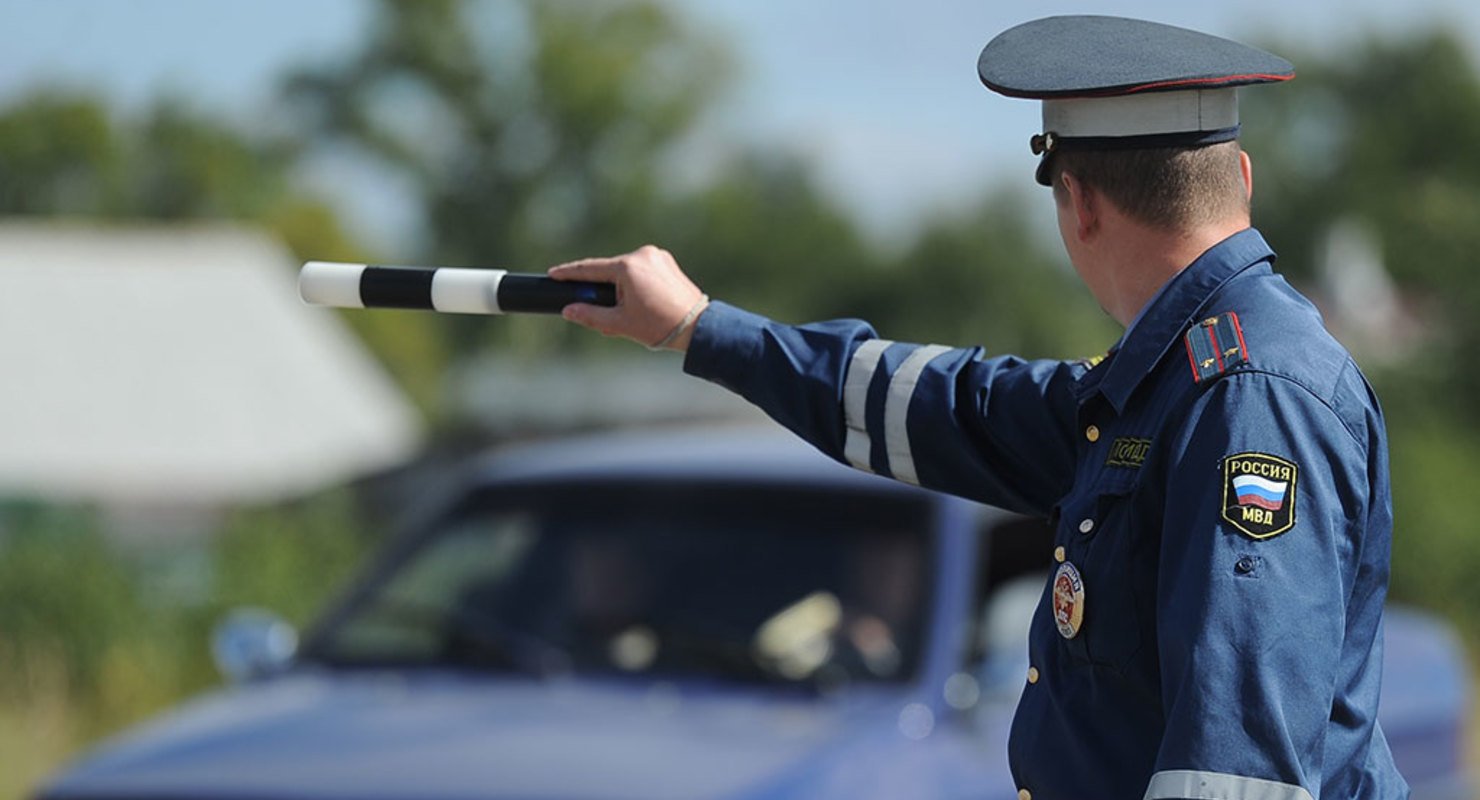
(1246, 165)
(1080, 202)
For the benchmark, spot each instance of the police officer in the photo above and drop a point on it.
(1218, 483)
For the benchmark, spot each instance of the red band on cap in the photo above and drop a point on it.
(1222, 80)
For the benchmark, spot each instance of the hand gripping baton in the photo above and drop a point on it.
(455, 290)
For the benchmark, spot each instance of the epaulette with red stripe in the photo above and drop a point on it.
(1215, 346)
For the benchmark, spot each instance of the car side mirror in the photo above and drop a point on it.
(252, 643)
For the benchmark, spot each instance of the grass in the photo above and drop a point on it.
(38, 730)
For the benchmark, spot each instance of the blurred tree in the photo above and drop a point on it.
(536, 131)
(986, 277)
(1380, 134)
(763, 235)
(531, 131)
(59, 154)
(64, 154)
(1381, 137)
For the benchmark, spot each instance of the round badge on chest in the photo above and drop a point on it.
(1068, 600)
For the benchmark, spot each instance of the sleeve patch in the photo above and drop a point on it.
(1215, 346)
(1259, 494)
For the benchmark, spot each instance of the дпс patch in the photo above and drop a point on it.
(1128, 451)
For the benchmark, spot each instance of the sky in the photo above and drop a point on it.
(882, 96)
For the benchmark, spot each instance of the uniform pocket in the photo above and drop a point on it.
(1112, 630)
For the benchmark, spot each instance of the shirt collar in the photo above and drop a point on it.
(1163, 320)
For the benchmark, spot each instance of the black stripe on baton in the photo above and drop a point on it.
(537, 294)
(396, 287)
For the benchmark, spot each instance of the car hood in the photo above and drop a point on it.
(390, 735)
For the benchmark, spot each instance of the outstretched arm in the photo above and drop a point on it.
(996, 430)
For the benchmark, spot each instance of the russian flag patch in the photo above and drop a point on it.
(1253, 490)
(1259, 494)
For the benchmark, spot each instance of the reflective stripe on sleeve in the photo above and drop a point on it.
(1186, 784)
(857, 445)
(897, 411)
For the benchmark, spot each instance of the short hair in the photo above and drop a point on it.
(1172, 188)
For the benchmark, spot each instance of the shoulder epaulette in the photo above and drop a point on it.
(1215, 346)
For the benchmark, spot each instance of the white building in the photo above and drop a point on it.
(175, 367)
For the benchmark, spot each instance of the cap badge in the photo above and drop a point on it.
(1068, 600)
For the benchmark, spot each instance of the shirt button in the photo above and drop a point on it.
(1032, 674)
(1092, 433)
(1059, 554)
(1086, 526)
(1024, 794)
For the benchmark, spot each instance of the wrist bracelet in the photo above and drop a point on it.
(683, 324)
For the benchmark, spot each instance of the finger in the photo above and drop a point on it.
(603, 270)
(598, 318)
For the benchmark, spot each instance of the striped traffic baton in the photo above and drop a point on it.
(454, 290)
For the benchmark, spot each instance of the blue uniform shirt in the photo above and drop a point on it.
(1218, 487)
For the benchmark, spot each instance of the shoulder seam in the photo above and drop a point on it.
(1347, 365)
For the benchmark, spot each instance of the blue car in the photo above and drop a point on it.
(677, 615)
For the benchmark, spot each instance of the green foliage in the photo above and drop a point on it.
(60, 588)
(58, 153)
(287, 559)
(537, 141)
(1434, 553)
(90, 639)
(986, 279)
(763, 235)
(64, 154)
(1380, 136)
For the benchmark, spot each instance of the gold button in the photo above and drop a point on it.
(1024, 794)
(1059, 554)
(1092, 433)
(1032, 674)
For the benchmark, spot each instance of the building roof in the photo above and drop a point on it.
(176, 365)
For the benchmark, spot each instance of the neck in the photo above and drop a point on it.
(1146, 258)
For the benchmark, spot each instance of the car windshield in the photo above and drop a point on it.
(671, 580)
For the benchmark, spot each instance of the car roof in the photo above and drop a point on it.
(762, 454)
